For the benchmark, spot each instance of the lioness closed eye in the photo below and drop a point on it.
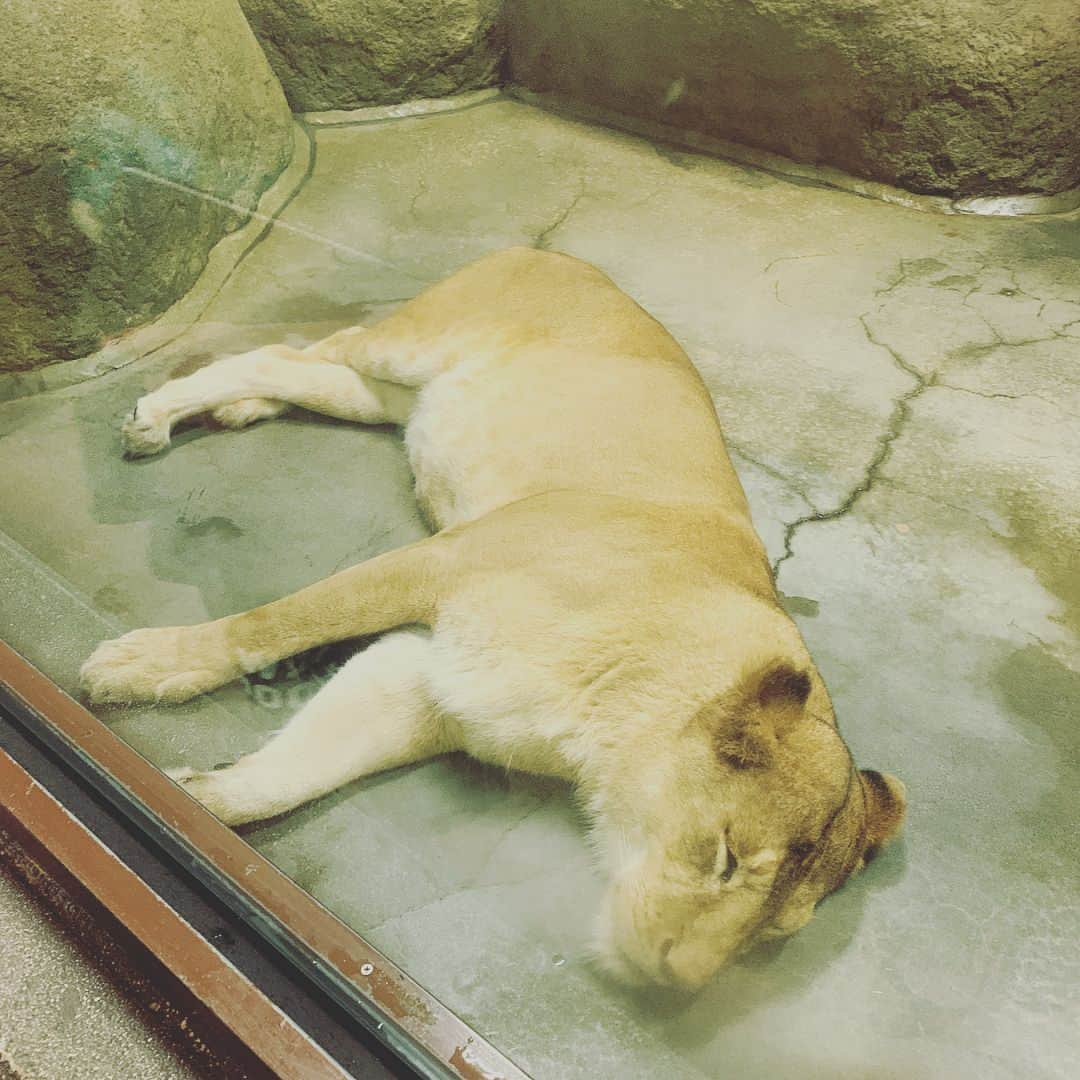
(595, 605)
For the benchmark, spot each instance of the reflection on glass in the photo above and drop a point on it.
(858, 354)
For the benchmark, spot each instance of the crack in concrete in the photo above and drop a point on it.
(999, 341)
(790, 258)
(770, 470)
(421, 191)
(796, 258)
(1016, 290)
(543, 237)
(938, 385)
(901, 413)
(901, 279)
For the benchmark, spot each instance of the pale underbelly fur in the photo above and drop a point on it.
(511, 709)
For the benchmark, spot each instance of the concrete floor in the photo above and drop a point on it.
(901, 394)
(62, 1012)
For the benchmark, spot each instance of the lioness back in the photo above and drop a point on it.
(544, 376)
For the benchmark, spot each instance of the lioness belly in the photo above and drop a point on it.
(496, 429)
(507, 709)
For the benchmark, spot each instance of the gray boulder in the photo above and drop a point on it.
(113, 116)
(342, 54)
(965, 97)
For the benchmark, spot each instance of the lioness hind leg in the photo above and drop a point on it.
(376, 713)
(246, 411)
(266, 380)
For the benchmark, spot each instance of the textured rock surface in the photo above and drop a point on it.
(341, 54)
(968, 97)
(89, 93)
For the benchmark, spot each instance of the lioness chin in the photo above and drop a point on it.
(594, 605)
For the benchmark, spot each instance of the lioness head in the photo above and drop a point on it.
(762, 815)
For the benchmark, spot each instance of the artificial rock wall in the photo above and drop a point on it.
(343, 54)
(115, 114)
(950, 97)
(111, 114)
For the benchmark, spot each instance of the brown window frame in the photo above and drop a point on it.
(411, 1022)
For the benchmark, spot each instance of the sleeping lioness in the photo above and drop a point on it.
(595, 606)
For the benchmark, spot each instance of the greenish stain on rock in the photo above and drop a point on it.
(117, 119)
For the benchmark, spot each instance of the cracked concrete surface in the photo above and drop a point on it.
(900, 395)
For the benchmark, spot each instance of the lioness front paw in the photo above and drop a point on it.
(165, 664)
(144, 434)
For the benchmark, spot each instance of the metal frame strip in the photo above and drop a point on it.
(376, 992)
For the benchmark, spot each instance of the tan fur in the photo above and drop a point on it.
(595, 606)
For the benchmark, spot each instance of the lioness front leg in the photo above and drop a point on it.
(173, 663)
(160, 665)
(376, 713)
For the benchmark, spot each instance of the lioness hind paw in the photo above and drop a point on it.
(218, 791)
(239, 414)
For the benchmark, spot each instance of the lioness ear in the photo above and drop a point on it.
(886, 802)
(767, 704)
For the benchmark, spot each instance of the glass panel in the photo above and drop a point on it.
(897, 387)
